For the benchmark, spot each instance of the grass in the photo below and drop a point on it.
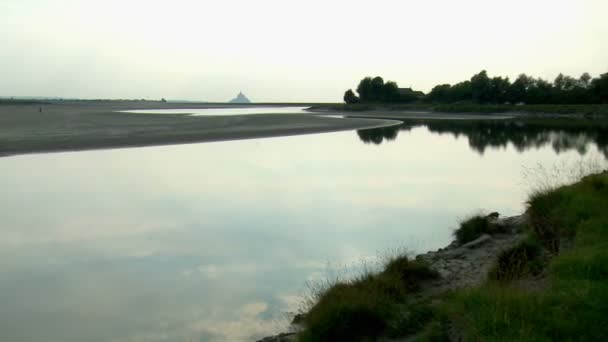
(370, 305)
(575, 306)
(570, 222)
(518, 261)
(542, 180)
(475, 226)
(569, 311)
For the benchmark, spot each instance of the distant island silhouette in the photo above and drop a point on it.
(240, 98)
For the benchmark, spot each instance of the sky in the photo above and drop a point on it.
(287, 51)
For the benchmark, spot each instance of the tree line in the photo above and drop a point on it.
(489, 90)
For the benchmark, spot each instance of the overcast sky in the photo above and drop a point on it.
(281, 50)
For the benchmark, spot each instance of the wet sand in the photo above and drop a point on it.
(84, 125)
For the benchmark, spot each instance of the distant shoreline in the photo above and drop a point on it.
(76, 125)
(60, 126)
(478, 110)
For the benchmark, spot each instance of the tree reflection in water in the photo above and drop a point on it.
(378, 135)
(524, 134)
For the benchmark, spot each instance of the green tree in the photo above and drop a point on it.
(558, 83)
(461, 92)
(585, 80)
(408, 95)
(599, 89)
(444, 93)
(518, 91)
(391, 92)
(350, 97)
(499, 89)
(539, 92)
(567, 89)
(481, 87)
(364, 89)
(439, 94)
(377, 89)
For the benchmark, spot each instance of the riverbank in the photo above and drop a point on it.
(84, 125)
(540, 276)
(53, 126)
(404, 281)
(457, 110)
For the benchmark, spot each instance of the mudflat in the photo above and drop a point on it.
(81, 125)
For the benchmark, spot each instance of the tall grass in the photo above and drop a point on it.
(368, 305)
(575, 306)
(540, 179)
(517, 261)
(475, 225)
(471, 228)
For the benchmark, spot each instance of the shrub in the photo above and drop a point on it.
(575, 305)
(516, 261)
(545, 225)
(347, 312)
(472, 228)
(475, 226)
(410, 273)
(369, 305)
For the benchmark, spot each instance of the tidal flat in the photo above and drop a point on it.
(83, 125)
(53, 126)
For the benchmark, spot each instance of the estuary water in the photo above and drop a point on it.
(218, 241)
(224, 111)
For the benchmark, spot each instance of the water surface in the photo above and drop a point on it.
(224, 111)
(215, 241)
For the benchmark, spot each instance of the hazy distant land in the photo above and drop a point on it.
(33, 126)
(80, 125)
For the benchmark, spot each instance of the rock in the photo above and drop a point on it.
(454, 253)
(515, 223)
(444, 272)
(477, 242)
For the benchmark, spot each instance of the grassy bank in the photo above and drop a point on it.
(571, 223)
(551, 286)
(472, 108)
(370, 305)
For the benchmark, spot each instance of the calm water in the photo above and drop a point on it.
(214, 242)
(224, 111)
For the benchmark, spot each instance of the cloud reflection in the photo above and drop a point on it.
(216, 241)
